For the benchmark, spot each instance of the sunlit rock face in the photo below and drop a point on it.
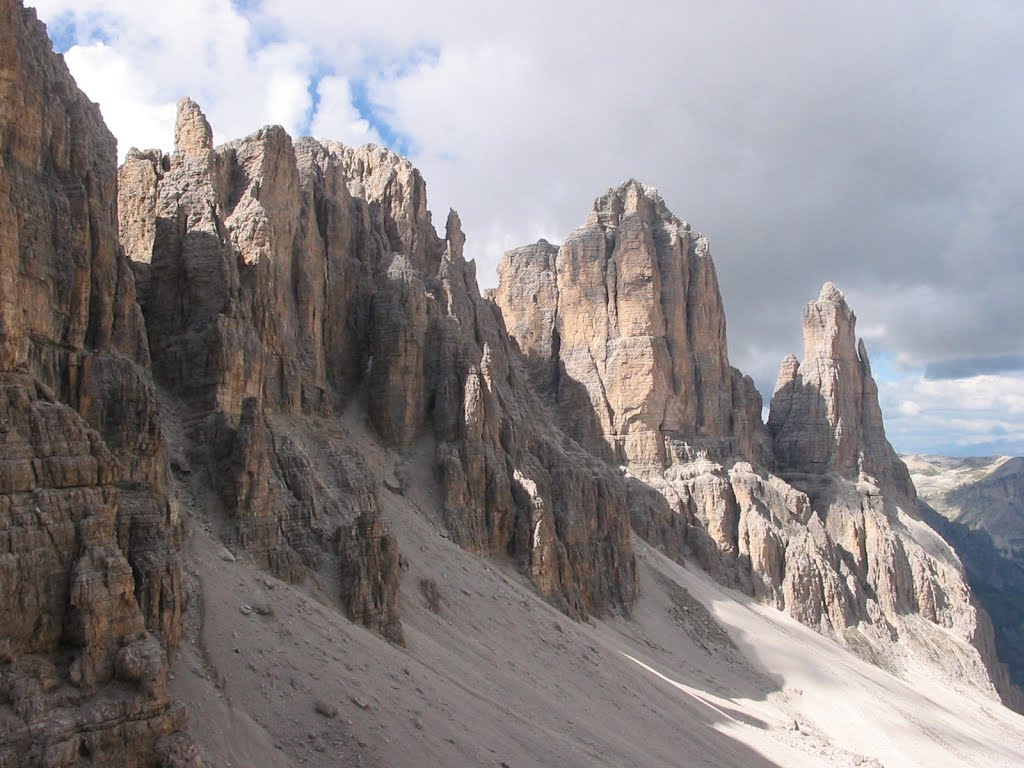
(624, 321)
(624, 330)
(289, 279)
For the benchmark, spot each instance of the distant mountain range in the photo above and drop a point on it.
(977, 505)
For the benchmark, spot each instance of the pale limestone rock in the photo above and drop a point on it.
(624, 323)
(192, 132)
(304, 275)
(830, 442)
(623, 330)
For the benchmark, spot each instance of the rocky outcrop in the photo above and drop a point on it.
(825, 417)
(307, 277)
(624, 323)
(90, 588)
(623, 328)
(830, 443)
(370, 564)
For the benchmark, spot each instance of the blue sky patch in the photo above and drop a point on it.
(377, 118)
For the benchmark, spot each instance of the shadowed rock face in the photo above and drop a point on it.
(825, 415)
(90, 588)
(624, 329)
(977, 505)
(285, 280)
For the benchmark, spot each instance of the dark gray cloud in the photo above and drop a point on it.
(873, 144)
(966, 367)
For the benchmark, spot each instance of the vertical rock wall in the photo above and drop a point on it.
(624, 321)
(90, 588)
(624, 329)
(307, 276)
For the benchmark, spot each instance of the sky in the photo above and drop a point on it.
(874, 144)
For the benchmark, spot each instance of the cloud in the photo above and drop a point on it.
(873, 144)
(210, 50)
(128, 104)
(968, 416)
(966, 367)
(337, 118)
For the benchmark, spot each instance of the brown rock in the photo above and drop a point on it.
(304, 275)
(88, 557)
(624, 322)
(370, 569)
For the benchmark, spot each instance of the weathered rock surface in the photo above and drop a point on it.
(90, 595)
(294, 279)
(624, 321)
(370, 564)
(624, 329)
(825, 416)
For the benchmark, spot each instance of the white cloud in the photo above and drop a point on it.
(128, 104)
(205, 49)
(337, 118)
(976, 415)
(872, 144)
(909, 408)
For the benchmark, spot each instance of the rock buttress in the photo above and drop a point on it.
(90, 586)
(308, 277)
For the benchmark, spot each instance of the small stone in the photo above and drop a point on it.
(326, 709)
(392, 483)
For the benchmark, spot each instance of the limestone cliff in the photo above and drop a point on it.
(287, 282)
(815, 514)
(624, 321)
(90, 589)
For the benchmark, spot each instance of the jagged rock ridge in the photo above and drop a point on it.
(284, 284)
(286, 281)
(90, 584)
(814, 514)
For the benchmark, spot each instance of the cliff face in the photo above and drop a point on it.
(814, 514)
(300, 279)
(825, 416)
(90, 595)
(278, 289)
(624, 321)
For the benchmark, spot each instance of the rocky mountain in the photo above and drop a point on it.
(813, 513)
(284, 281)
(977, 505)
(979, 493)
(266, 452)
(90, 581)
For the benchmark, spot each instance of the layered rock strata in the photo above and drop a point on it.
(90, 587)
(815, 514)
(286, 281)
